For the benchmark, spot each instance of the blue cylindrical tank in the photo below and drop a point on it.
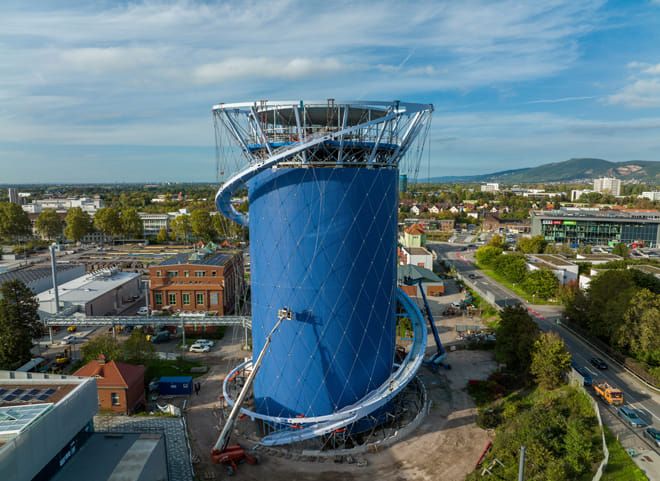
(323, 244)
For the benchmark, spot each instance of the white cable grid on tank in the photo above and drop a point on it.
(365, 325)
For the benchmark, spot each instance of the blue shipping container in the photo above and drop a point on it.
(175, 385)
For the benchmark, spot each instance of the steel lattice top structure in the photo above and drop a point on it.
(327, 133)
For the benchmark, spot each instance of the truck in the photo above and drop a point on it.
(609, 394)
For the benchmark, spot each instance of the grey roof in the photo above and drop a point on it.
(415, 273)
(217, 259)
(31, 274)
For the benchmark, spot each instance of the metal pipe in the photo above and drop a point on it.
(521, 464)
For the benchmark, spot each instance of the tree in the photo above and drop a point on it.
(131, 224)
(14, 221)
(202, 228)
(531, 245)
(19, 324)
(641, 331)
(162, 236)
(486, 255)
(136, 349)
(550, 360)
(512, 266)
(541, 283)
(608, 298)
(516, 334)
(78, 224)
(621, 250)
(181, 227)
(107, 221)
(105, 344)
(49, 224)
(496, 241)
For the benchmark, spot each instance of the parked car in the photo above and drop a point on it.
(205, 342)
(199, 348)
(70, 339)
(598, 363)
(654, 435)
(143, 311)
(631, 416)
(162, 336)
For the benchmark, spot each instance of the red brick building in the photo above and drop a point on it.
(120, 386)
(202, 282)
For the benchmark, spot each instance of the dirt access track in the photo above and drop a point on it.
(444, 447)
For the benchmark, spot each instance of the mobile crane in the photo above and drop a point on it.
(223, 452)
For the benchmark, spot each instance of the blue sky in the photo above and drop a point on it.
(121, 91)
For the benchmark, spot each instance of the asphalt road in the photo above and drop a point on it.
(636, 393)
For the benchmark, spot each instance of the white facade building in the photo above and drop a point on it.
(653, 195)
(418, 256)
(490, 187)
(153, 223)
(87, 204)
(607, 185)
(576, 194)
(563, 269)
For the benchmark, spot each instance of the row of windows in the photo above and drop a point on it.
(185, 298)
(185, 273)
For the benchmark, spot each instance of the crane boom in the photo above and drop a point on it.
(223, 440)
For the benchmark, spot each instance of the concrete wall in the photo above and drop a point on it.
(25, 455)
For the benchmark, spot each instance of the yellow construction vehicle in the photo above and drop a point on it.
(609, 394)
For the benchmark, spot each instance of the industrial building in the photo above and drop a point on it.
(597, 227)
(47, 433)
(495, 223)
(201, 281)
(409, 275)
(99, 293)
(417, 256)
(120, 385)
(40, 279)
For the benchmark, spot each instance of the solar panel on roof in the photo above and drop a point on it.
(18, 392)
(33, 392)
(43, 397)
(2, 391)
(26, 397)
(50, 391)
(10, 398)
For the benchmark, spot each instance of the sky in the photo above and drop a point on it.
(121, 91)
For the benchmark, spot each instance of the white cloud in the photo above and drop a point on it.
(110, 59)
(265, 67)
(643, 93)
(644, 89)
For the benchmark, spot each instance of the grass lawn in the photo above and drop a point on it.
(162, 367)
(517, 289)
(620, 466)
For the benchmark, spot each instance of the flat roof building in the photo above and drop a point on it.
(40, 279)
(98, 293)
(563, 269)
(47, 433)
(597, 227)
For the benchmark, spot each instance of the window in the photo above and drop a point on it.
(200, 298)
(114, 399)
(172, 273)
(186, 273)
(214, 273)
(172, 298)
(185, 298)
(200, 273)
(214, 298)
(157, 273)
(158, 296)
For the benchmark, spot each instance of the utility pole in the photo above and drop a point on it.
(521, 465)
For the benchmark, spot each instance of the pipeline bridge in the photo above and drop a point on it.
(156, 321)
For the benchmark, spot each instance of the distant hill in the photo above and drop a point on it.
(567, 171)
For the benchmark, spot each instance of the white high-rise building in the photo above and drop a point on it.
(13, 195)
(490, 187)
(607, 185)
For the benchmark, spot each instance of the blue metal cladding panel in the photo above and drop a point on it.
(323, 244)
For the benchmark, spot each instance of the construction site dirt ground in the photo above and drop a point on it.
(445, 446)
